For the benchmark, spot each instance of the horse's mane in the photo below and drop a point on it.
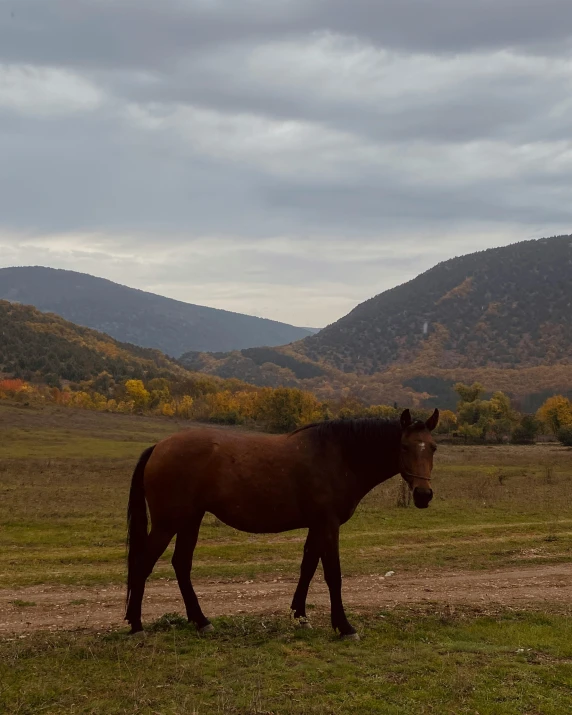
(357, 429)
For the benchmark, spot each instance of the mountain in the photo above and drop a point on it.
(504, 307)
(138, 317)
(44, 347)
(501, 316)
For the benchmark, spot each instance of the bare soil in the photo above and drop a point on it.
(44, 608)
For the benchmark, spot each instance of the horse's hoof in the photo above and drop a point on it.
(209, 628)
(305, 625)
(138, 634)
(350, 637)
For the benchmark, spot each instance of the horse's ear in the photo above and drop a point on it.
(433, 421)
(405, 419)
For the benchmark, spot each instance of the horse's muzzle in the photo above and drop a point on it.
(422, 496)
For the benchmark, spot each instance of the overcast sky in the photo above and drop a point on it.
(283, 158)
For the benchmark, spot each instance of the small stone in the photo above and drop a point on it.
(389, 573)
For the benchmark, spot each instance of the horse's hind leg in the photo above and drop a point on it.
(307, 570)
(182, 563)
(156, 543)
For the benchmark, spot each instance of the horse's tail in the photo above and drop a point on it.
(136, 521)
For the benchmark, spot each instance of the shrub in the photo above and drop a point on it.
(226, 418)
(527, 431)
(565, 436)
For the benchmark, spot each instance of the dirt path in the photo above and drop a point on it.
(58, 608)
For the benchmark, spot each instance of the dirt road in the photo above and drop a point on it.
(57, 608)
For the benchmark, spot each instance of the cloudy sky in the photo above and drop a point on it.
(283, 158)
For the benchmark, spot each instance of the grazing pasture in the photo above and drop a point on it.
(475, 618)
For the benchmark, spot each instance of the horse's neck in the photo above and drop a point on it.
(368, 482)
(375, 469)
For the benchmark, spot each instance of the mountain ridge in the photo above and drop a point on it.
(140, 317)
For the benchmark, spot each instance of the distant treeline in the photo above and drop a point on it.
(230, 402)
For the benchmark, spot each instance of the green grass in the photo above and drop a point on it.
(45, 444)
(510, 663)
(62, 514)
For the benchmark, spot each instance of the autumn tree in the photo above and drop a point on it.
(555, 413)
(284, 408)
(469, 393)
(82, 399)
(137, 394)
(226, 407)
(481, 419)
(447, 422)
(184, 407)
(103, 383)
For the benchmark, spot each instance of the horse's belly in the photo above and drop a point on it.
(258, 521)
(261, 526)
(256, 509)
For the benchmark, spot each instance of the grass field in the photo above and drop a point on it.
(517, 663)
(64, 478)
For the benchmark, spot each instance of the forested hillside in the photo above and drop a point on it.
(505, 307)
(44, 347)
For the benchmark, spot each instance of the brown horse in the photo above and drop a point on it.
(313, 478)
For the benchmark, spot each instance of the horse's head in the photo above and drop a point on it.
(416, 456)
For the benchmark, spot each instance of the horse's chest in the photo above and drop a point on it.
(346, 511)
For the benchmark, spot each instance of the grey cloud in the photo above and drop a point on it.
(509, 106)
(95, 173)
(149, 34)
(386, 206)
(151, 52)
(454, 25)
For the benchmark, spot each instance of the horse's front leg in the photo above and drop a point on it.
(330, 555)
(307, 570)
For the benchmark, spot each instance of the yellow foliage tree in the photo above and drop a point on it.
(555, 413)
(125, 407)
(167, 409)
(137, 394)
(81, 399)
(284, 408)
(184, 407)
(99, 401)
(447, 422)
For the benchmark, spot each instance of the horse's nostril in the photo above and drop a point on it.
(422, 496)
(423, 492)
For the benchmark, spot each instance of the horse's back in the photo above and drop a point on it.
(251, 481)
